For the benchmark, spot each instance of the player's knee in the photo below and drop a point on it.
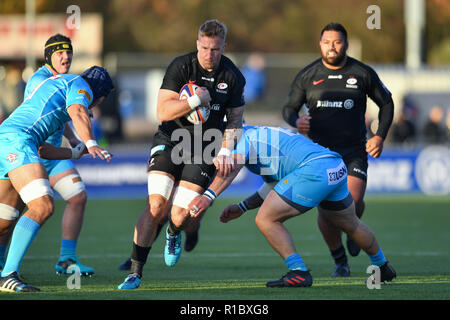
(42, 207)
(182, 198)
(157, 206)
(78, 200)
(35, 190)
(8, 213)
(71, 188)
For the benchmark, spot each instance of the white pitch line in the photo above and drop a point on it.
(232, 255)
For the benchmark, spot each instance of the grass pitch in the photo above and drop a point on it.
(233, 261)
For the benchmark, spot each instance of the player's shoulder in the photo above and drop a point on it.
(356, 65)
(310, 69)
(231, 68)
(185, 59)
(40, 75)
(78, 85)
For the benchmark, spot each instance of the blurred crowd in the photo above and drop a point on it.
(406, 130)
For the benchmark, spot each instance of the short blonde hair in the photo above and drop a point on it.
(213, 28)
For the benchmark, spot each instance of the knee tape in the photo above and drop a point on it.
(8, 212)
(159, 184)
(69, 186)
(36, 189)
(183, 197)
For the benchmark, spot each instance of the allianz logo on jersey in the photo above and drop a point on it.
(347, 104)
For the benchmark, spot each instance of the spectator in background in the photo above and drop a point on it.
(433, 131)
(255, 77)
(403, 130)
(12, 88)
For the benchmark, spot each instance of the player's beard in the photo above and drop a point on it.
(336, 60)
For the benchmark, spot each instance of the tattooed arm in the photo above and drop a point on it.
(231, 135)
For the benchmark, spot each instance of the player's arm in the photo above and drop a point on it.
(217, 186)
(294, 102)
(51, 152)
(231, 135)
(235, 210)
(383, 99)
(71, 137)
(83, 127)
(169, 107)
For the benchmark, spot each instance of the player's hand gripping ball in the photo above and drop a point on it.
(199, 114)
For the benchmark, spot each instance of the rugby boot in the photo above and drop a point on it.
(172, 250)
(63, 265)
(294, 278)
(13, 283)
(387, 272)
(126, 265)
(341, 270)
(132, 281)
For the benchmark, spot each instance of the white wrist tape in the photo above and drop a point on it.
(77, 151)
(224, 152)
(91, 143)
(194, 101)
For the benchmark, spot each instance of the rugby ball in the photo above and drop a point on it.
(199, 114)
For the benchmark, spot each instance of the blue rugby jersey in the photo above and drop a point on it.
(44, 110)
(274, 152)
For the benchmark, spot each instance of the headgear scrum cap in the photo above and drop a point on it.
(99, 81)
(56, 43)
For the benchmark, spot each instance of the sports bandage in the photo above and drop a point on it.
(243, 205)
(183, 197)
(77, 151)
(106, 154)
(159, 184)
(8, 212)
(69, 186)
(210, 194)
(224, 152)
(266, 188)
(194, 101)
(36, 189)
(91, 143)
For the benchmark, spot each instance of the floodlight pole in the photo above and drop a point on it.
(30, 22)
(414, 23)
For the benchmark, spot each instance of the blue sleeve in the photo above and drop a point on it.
(79, 92)
(243, 146)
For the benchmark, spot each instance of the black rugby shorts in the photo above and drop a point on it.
(355, 158)
(161, 159)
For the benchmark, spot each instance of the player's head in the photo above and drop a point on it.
(99, 81)
(211, 44)
(333, 43)
(58, 53)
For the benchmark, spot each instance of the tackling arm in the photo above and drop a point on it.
(231, 135)
(219, 184)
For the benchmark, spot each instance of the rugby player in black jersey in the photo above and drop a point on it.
(334, 89)
(171, 184)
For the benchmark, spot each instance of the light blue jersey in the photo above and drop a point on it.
(307, 173)
(42, 113)
(40, 75)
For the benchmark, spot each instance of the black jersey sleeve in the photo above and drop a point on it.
(237, 93)
(175, 76)
(294, 101)
(383, 98)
